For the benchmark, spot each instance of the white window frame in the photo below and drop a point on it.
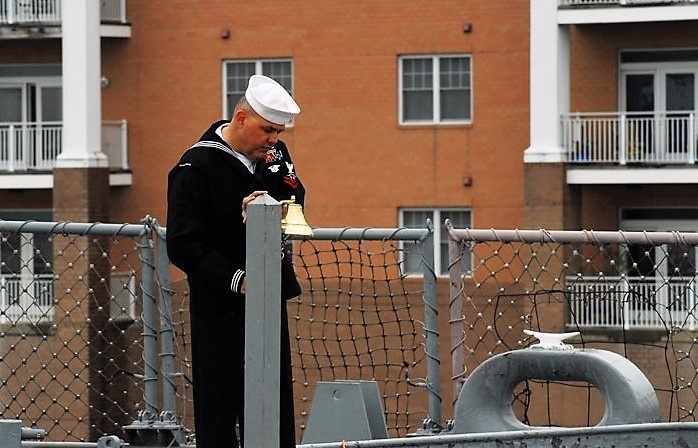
(439, 232)
(258, 64)
(436, 87)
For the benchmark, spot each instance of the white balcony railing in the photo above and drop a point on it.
(627, 302)
(48, 12)
(26, 298)
(630, 137)
(35, 146)
(567, 3)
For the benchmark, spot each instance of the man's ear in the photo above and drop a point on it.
(239, 117)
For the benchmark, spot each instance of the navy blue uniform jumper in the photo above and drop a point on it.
(206, 240)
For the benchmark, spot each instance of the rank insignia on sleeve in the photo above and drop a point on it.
(291, 181)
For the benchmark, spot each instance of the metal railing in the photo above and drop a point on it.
(26, 146)
(630, 137)
(27, 299)
(17, 12)
(48, 12)
(621, 302)
(572, 3)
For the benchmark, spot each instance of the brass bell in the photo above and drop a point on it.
(293, 221)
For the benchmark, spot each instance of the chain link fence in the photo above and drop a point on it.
(70, 333)
(94, 327)
(94, 322)
(633, 293)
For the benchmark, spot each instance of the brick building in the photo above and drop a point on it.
(557, 114)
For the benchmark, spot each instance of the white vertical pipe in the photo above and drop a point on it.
(549, 82)
(82, 105)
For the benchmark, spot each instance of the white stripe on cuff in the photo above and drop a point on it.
(236, 283)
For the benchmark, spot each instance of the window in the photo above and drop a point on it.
(237, 73)
(435, 89)
(26, 278)
(417, 218)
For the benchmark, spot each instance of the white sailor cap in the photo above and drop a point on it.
(270, 100)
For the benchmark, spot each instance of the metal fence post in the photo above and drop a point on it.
(431, 327)
(456, 272)
(262, 322)
(150, 379)
(167, 356)
(11, 433)
(150, 430)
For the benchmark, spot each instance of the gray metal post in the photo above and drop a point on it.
(262, 322)
(167, 356)
(431, 327)
(10, 433)
(455, 272)
(150, 372)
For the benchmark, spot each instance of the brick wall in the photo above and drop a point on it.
(359, 165)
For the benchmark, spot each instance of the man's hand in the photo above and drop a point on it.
(247, 199)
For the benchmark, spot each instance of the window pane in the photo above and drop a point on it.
(455, 105)
(51, 103)
(414, 219)
(11, 100)
(237, 74)
(418, 106)
(280, 71)
(639, 93)
(454, 79)
(417, 89)
(680, 91)
(640, 260)
(460, 220)
(417, 74)
(681, 260)
(10, 250)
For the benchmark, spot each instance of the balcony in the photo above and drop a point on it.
(578, 3)
(26, 299)
(581, 12)
(633, 302)
(31, 149)
(42, 18)
(623, 138)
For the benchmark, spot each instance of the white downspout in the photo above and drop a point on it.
(549, 82)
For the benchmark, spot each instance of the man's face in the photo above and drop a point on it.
(259, 136)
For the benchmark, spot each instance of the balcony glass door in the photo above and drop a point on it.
(10, 116)
(639, 123)
(49, 112)
(660, 124)
(30, 123)
(679, 103)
